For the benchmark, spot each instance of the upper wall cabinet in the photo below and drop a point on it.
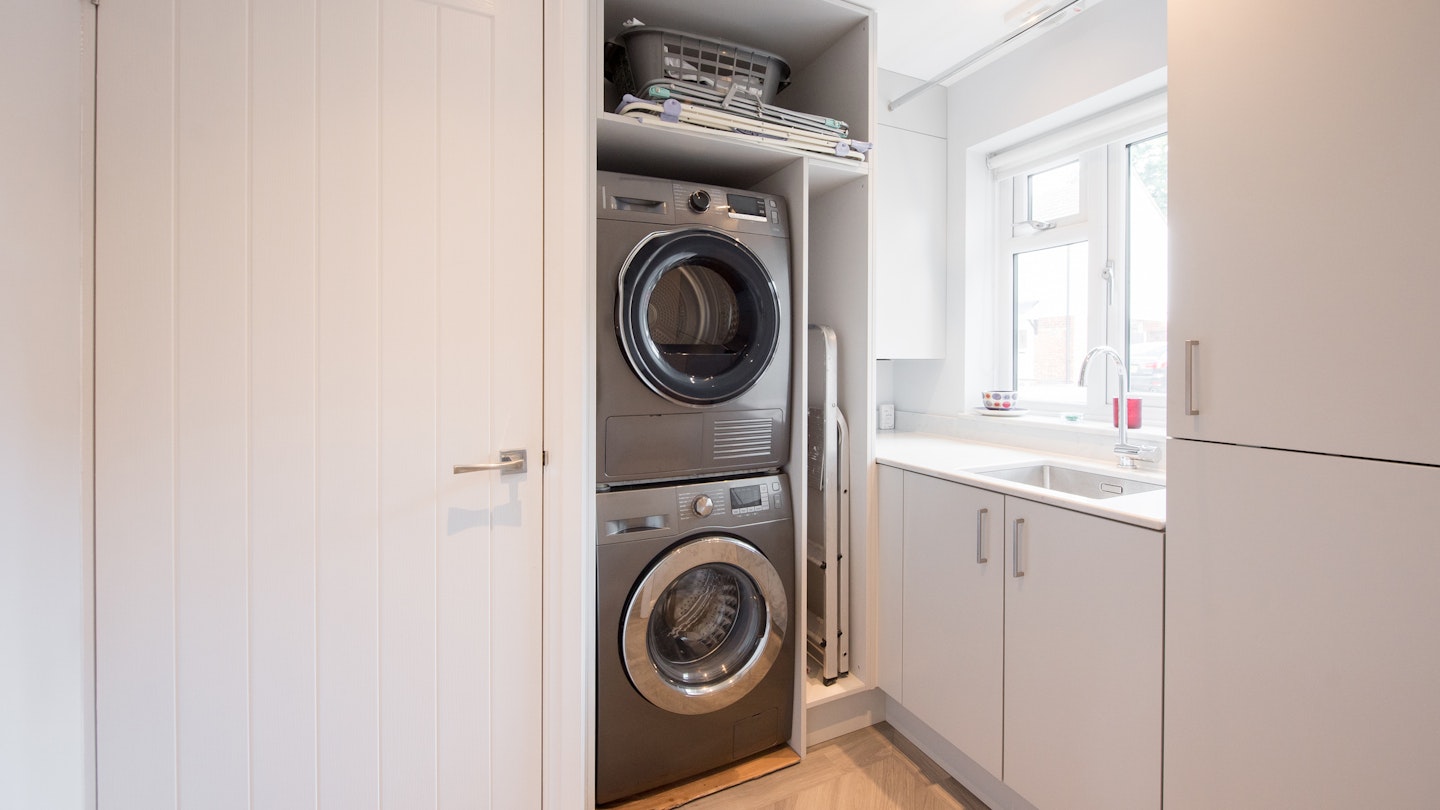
(910, 226)
(910, 246)
(1302, 211)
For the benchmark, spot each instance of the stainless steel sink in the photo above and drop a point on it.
(1084, 483)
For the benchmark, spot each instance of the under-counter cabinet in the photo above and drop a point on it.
(953, 613)
(1084, 639)
(1033, 641)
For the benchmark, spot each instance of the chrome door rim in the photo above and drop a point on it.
(682, 698)
(643, 268)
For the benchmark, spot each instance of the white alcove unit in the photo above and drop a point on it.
(830, 47)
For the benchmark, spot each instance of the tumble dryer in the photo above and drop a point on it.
(693, 350)
(695, 627)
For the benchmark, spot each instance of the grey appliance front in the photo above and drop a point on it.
(695, 629)
(693, 319)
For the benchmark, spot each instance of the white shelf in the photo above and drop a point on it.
(725, 158)
(818, 694)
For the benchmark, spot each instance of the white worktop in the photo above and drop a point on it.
(961, 461)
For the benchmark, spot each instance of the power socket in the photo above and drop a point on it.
(887, 416)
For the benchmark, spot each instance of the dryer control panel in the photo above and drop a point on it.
(650, 199)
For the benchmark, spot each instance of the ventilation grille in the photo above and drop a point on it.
(743, 438)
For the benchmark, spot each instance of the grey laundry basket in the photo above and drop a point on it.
(664, 55)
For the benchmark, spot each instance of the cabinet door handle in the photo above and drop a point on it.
(982, 548)
(1019, 538)
(1190, 347)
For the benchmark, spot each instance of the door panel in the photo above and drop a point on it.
(953, 668)
(1312, 302)
(303, 322)
(347, 458)
(1299, 630)
(1083, 657)
(283, 548)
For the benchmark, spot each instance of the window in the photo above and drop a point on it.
(1083, 263)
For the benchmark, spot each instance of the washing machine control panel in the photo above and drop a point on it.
(716, 501)
(730, 210)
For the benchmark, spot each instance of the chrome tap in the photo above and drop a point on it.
(1126, 451)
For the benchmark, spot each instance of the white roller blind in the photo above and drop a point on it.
(1087, 133)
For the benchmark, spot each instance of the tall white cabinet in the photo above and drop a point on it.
(1302, 177)
(1300, 656)
(829, 46)
(1300, 605)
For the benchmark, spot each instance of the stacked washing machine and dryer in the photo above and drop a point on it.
(696, 547)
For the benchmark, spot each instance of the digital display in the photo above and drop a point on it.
(745, 497)
(750, 206)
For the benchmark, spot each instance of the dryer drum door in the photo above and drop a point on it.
(697, 315)
(704, 625)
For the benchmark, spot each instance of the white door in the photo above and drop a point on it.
(1297, 174)
(953, 665)
(1084, 615)
(318, 290)
(1300, 656)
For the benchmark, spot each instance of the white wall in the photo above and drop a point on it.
(45, 608)
(1111, 52)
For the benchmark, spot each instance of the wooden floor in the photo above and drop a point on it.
(871, 769)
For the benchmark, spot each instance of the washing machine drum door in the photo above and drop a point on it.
(698, 316)
(704, 625)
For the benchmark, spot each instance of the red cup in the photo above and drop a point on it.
(1132, 412)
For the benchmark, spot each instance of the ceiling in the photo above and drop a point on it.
(924, 38)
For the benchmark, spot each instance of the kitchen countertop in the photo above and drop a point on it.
(960, 461)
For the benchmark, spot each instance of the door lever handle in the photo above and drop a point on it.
(512, 462)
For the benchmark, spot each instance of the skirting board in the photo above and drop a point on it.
(995, 794)
(715, 781)
(826, 721)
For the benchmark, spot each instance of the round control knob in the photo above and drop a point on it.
(699, 201)
(703, 506)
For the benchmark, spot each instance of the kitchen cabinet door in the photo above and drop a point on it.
(892, 579)
(953, 614)
(1083, 656)
(1299, 176)
(1301, 662)
(909, 245)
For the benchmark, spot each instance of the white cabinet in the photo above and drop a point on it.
(1301, 175)
(954, 614)
(1301, 664)
(1032, 641)
(909, 245)
(1083, 650)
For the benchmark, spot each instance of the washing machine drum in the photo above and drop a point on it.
(704, 626)
(698, 316)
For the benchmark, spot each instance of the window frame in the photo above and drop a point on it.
(1014, 239)
(1153, 404)
(1103, 222)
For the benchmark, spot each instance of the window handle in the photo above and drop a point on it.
(1037, 224)
(1108, 273)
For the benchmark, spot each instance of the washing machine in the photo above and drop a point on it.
(693, 351)
(695, 626)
